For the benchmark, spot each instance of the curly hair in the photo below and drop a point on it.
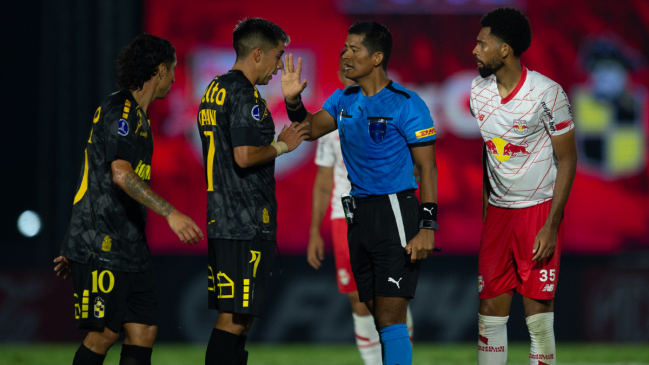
(138, 62)
(511, 26)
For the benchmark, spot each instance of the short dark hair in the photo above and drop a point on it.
(511, 26)
(138, 62)
(377, 38)
(251, 33)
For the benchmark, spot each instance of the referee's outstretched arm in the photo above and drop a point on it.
(424, 158)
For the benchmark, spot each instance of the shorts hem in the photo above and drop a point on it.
(392, 295)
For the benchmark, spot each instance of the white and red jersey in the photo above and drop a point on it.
(329, 154)
(521, 163)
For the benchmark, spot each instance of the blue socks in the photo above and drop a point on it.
(396, 346)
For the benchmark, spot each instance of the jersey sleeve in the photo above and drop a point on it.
(121, 141)
(245, 125)
(332, 105)
(555, 111)
(416, 123)
(325, 154)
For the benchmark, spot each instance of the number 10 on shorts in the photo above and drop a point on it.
(545, 274)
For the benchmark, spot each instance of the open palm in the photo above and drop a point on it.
(291, 85)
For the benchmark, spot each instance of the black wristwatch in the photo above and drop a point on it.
(293, 106)
(428, 224)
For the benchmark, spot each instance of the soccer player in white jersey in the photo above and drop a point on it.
(332, 173)
(529, 162)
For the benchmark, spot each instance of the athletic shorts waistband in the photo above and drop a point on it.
(371, 198)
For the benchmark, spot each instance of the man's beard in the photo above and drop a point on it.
(486, 71)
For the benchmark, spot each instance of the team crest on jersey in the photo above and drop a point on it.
(480, 284)
(343, 276)
(520, 126)
(255, 112)
(377, 128)
(99, 307)
(122, 128)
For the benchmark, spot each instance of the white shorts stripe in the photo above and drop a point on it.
(394, 201)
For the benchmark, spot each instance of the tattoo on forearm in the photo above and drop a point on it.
(142, 193)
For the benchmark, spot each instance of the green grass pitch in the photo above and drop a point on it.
(315, 354)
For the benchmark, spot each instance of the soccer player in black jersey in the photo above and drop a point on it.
(105, 249)
(239, 152)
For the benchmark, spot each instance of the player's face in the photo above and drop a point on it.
(487, 53)
(269, 64)
(167, 80)
(357, 61)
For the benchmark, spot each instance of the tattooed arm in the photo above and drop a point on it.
(130, 182)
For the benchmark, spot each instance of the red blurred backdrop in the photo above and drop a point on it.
(573, 41)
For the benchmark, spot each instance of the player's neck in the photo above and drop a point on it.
(248, 72)
(373, 83)
(145, 96)
(508, 76)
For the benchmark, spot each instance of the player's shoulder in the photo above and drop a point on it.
(234, 81)
(117, 99)
(118, 105)
(540, 84)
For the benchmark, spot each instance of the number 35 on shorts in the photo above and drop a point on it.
(547, 274)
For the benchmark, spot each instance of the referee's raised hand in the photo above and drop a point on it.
(184, 227)
(291, 85)
(294, 134)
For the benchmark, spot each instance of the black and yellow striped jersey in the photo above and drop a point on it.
(240, 202)
(106, 222)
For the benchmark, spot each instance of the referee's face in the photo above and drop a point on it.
(357, 61)
(269, 64)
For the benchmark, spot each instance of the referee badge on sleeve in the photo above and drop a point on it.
(377, 127)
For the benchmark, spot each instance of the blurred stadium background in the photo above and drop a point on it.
(58, 65)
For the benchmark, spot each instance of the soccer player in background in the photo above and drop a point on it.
(105, 246)
(385, 130)
(333, 174)
(239, 152)
(529, 162)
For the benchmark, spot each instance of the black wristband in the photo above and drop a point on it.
(428, 212)
(293, 106)
(296, 115)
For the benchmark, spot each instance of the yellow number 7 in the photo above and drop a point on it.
(210, 161)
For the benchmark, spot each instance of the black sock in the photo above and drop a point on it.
(221, 348)
(135, 355)
(240, 352)
(85, 356)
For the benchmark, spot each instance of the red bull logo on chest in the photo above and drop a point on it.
(504, 150)
(520, 127)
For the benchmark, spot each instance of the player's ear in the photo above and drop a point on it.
(505, 50)
(377, 58)
(162, 70)
(256, 54)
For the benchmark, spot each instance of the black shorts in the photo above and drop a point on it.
(108, 298)
(238, 274)
(383, 227)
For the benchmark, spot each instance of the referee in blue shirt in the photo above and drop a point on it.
(385, 130)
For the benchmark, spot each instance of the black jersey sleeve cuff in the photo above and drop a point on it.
(422, 144)
(245, 136)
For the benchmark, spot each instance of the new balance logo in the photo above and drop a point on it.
(548, 287)
(390, 280)
(430, 211)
